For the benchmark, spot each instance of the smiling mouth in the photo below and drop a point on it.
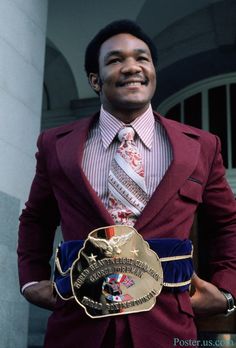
(133, 83)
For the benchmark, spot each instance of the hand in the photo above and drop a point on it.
(41, 294)
(207, 298)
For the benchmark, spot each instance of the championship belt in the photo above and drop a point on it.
(114, 273)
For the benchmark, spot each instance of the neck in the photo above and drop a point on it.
(126, 116)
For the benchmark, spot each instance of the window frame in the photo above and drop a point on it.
(203, 87)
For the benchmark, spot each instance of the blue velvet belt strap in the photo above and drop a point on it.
(175, 256)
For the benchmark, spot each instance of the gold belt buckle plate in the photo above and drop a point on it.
(116, 273)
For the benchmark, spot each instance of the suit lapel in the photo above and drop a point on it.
(70, 147)
(185, 156)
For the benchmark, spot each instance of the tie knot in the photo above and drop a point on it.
(126, 133)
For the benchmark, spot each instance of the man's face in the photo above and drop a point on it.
(127, 74)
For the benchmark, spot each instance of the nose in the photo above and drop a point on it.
(131, 66)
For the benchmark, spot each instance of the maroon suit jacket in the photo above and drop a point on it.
(61, 194)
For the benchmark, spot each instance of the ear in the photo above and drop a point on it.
(94, 81)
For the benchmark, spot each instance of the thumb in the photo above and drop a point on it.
(196, 281)
(195, 292)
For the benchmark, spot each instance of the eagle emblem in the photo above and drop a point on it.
(111, 246)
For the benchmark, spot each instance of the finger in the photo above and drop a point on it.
(193, 300)
(196, 281)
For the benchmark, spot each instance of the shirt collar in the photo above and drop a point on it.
(143, 126)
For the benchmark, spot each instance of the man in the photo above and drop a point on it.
(182, 167)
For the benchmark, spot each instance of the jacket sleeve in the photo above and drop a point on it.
(220, 206)
(38, 223)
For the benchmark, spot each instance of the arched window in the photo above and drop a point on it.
(211, 105)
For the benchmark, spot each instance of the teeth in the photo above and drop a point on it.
(133, 83)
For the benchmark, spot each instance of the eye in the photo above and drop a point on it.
(143, 58)
(114, 61)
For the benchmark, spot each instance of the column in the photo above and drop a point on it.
(22, 48)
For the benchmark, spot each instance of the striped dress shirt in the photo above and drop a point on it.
(102, 142)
